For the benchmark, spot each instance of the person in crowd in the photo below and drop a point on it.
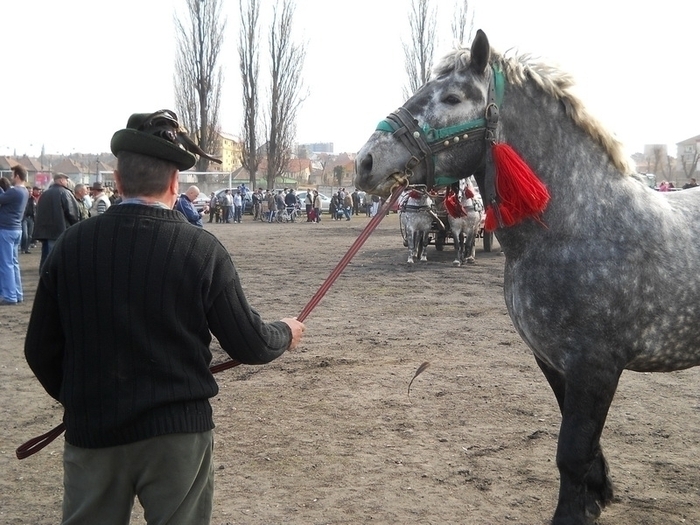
(185, 205)
(317, 206)
(692, 183)
(279, 201)
(237, 207)
(256, 201)
(100, 201)
(271, 205)
(131, 367)
(13, 200)
(213, 208)
(80, 192)
(309, 205)
(376, 201)
(355, 202)
(347, 205)
(28, 220)
(56, 211)
(334, 205)
(291, 202)
(115, 198)
(226, 206)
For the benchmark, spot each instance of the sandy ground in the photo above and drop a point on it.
(328, 434)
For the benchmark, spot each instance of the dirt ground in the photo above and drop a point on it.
(328, 434)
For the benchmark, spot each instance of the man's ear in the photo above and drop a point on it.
(175, 183)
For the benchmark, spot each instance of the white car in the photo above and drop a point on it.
(325, 201)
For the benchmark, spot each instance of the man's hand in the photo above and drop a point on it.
(297, 328)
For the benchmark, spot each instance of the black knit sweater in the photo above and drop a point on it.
(120, 327)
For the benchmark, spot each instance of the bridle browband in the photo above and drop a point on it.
(423, 143)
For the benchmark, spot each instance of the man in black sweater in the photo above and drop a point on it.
(56, 211)
(120, 332)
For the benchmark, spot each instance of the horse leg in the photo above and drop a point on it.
(423, 245)
(585, 486)
(411, 238)
(458, 249)
(470, 247)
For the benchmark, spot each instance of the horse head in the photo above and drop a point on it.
(444, 129)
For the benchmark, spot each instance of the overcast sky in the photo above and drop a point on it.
(74, 70)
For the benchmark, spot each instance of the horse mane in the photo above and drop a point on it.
(555, 83)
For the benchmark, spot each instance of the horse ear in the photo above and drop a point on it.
(480, 53)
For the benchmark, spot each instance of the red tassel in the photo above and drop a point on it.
(469, 194)
(415, 194)
(520, 193)
(453, 207)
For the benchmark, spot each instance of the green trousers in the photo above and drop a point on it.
(172, 475)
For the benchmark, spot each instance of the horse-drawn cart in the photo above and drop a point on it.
(440, 234)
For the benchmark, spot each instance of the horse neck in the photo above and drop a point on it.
(536, 125)
(574, 167)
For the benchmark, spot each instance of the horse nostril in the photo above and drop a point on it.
(364, 167)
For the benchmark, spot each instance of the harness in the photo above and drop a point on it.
(424, 143)
(411, 208)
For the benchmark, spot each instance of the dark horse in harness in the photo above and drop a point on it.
(584, 286)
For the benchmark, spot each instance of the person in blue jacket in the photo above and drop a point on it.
(185, 205)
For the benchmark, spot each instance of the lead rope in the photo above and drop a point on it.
(34, 445)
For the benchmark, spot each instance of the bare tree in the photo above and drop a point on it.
(248, 52)
(324, 158)
(198, 79)
(462, 23)
(339, 174)
(286, 65)
(660, 161)
(418, 53)
(689, 163)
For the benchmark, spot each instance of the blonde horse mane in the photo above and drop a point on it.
(552, 81)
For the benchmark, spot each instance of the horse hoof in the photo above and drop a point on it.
(456, 263)
(471, 260)
(423, 259)
(410, 261)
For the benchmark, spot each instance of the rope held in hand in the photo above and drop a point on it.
(34, 445)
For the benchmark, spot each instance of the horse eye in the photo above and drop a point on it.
(452, 100)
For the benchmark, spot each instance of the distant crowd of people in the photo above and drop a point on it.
(228, 206)
(665, 185)
(30, 214)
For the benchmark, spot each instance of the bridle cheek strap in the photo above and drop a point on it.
(405, 128)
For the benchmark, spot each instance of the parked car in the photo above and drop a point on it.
(325, 200)
(247, 199)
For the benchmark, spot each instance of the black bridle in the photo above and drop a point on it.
(423, 143)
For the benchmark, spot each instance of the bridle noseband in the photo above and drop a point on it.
(423, 143)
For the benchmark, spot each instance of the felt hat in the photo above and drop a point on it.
(97, 186)
(155, 135)
(60, 176)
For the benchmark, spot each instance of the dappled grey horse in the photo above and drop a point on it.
(416, 218)
(593, 286)
(464, 216)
